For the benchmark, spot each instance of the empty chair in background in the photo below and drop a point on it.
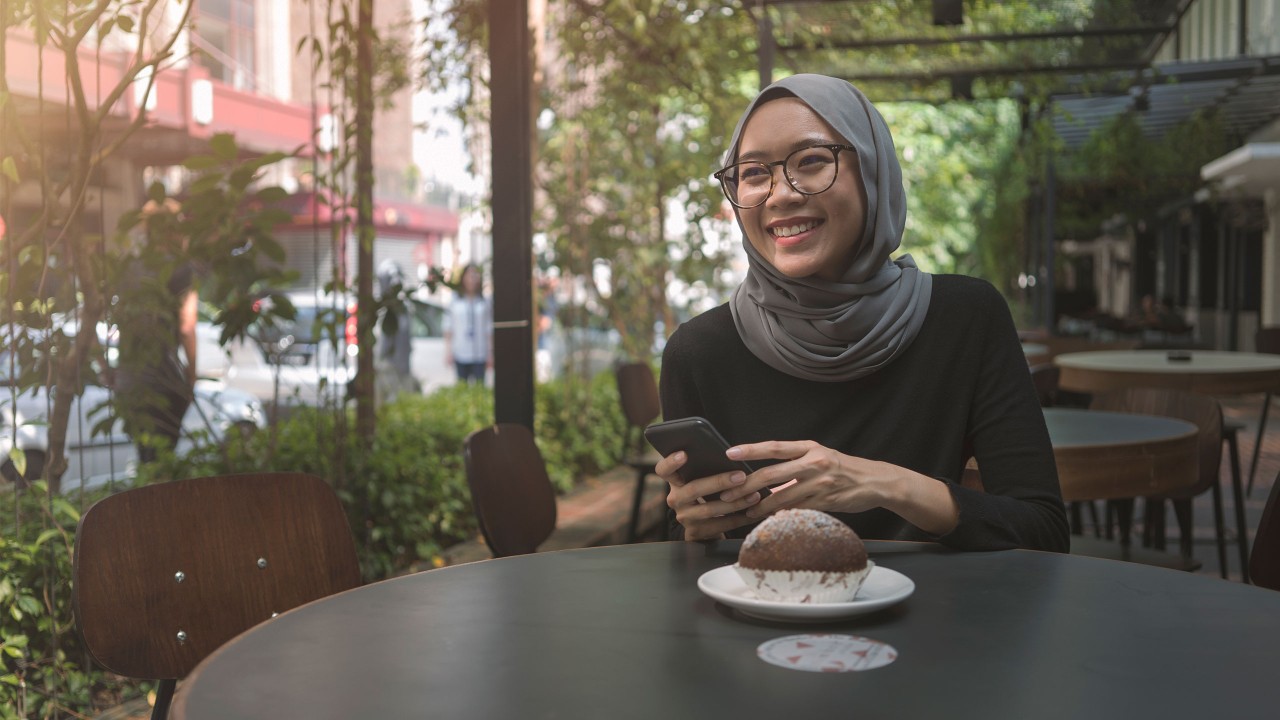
(514, 501)
(638, 393)
(165, 574)
(1264, 562)
(1045, 379)
(1266, 340)
(1205, 413)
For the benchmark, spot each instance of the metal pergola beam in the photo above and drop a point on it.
(975, 38)
(992, 71)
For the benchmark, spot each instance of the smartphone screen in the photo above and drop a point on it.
(701, 442)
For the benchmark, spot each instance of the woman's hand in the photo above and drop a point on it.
(710, 519)
(834, 482)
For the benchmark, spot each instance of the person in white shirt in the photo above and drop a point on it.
(468, 332)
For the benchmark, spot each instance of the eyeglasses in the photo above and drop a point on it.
(809, 171)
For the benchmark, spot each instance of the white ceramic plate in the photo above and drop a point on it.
(882, 588)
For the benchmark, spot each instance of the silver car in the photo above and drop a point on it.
(94, 460)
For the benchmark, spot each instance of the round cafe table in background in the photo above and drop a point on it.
(1204, 371)
(1036, 352)
(624, 632)
(1113, 456)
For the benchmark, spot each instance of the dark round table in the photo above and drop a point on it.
(623, 632)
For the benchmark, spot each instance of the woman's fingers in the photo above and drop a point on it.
(667, 467)
(709, 487)
(706, 528)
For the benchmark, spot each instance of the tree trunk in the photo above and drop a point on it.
(366, 418)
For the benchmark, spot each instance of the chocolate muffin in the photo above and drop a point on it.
(803, 556)
(803, 540)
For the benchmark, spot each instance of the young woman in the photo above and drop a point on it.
(468, 332)
(853, 383)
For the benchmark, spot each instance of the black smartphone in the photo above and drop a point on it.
(701, 442)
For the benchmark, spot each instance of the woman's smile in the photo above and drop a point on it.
(793, 232)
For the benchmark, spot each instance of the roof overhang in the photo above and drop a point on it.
(1249, 170)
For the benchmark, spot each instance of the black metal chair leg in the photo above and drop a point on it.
(634, 527)
(1124, 519)
(1153, 532)
(1186, 526)
(1093, 517)
(1076, 521)
(1242, 526)
(1257, 446)
(1221, 532)
(164, 695)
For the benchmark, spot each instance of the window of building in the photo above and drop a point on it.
(224, 37)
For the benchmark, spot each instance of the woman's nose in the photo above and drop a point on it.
(782, 193)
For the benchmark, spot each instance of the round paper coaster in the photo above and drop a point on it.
(827, 653)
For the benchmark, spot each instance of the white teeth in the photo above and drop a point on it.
(793, 229)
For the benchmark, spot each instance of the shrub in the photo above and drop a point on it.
(46, 672)
(406, 496)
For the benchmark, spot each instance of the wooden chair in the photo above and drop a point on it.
(1205, 413)
(1266, 340)
(638, 392)
(165, 574)
(1264, 562)
(1045, 379)
(513, 498)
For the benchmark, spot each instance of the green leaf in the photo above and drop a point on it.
(272, 194)
(224, 146)
(29, 604)
(10, 169)
(66, 509)
(47, 535)
(201, 162)
(19, 460)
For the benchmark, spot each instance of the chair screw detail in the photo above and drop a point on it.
(179, 576)
(262, 563)
(182, 636)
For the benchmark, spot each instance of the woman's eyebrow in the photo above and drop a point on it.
(802, 143)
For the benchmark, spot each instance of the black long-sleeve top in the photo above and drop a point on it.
(962, 389)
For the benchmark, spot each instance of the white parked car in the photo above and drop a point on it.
(94, 460)
(308, 365)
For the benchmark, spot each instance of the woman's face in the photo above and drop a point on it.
(830, 224)
(471, 281)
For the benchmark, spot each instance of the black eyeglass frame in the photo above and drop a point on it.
(835, 149)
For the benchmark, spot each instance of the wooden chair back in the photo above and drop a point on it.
(1264, 560)
(1267, 340)
(165, 574)
(1201, 410)
(511, 493)
(638, 393)
(1045, 379)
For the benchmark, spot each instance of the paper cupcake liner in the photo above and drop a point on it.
(802, 586)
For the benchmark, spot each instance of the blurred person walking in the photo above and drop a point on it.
(156, 315)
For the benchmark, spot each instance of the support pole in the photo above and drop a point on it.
(511, 138)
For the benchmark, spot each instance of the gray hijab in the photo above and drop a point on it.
(835, 331)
